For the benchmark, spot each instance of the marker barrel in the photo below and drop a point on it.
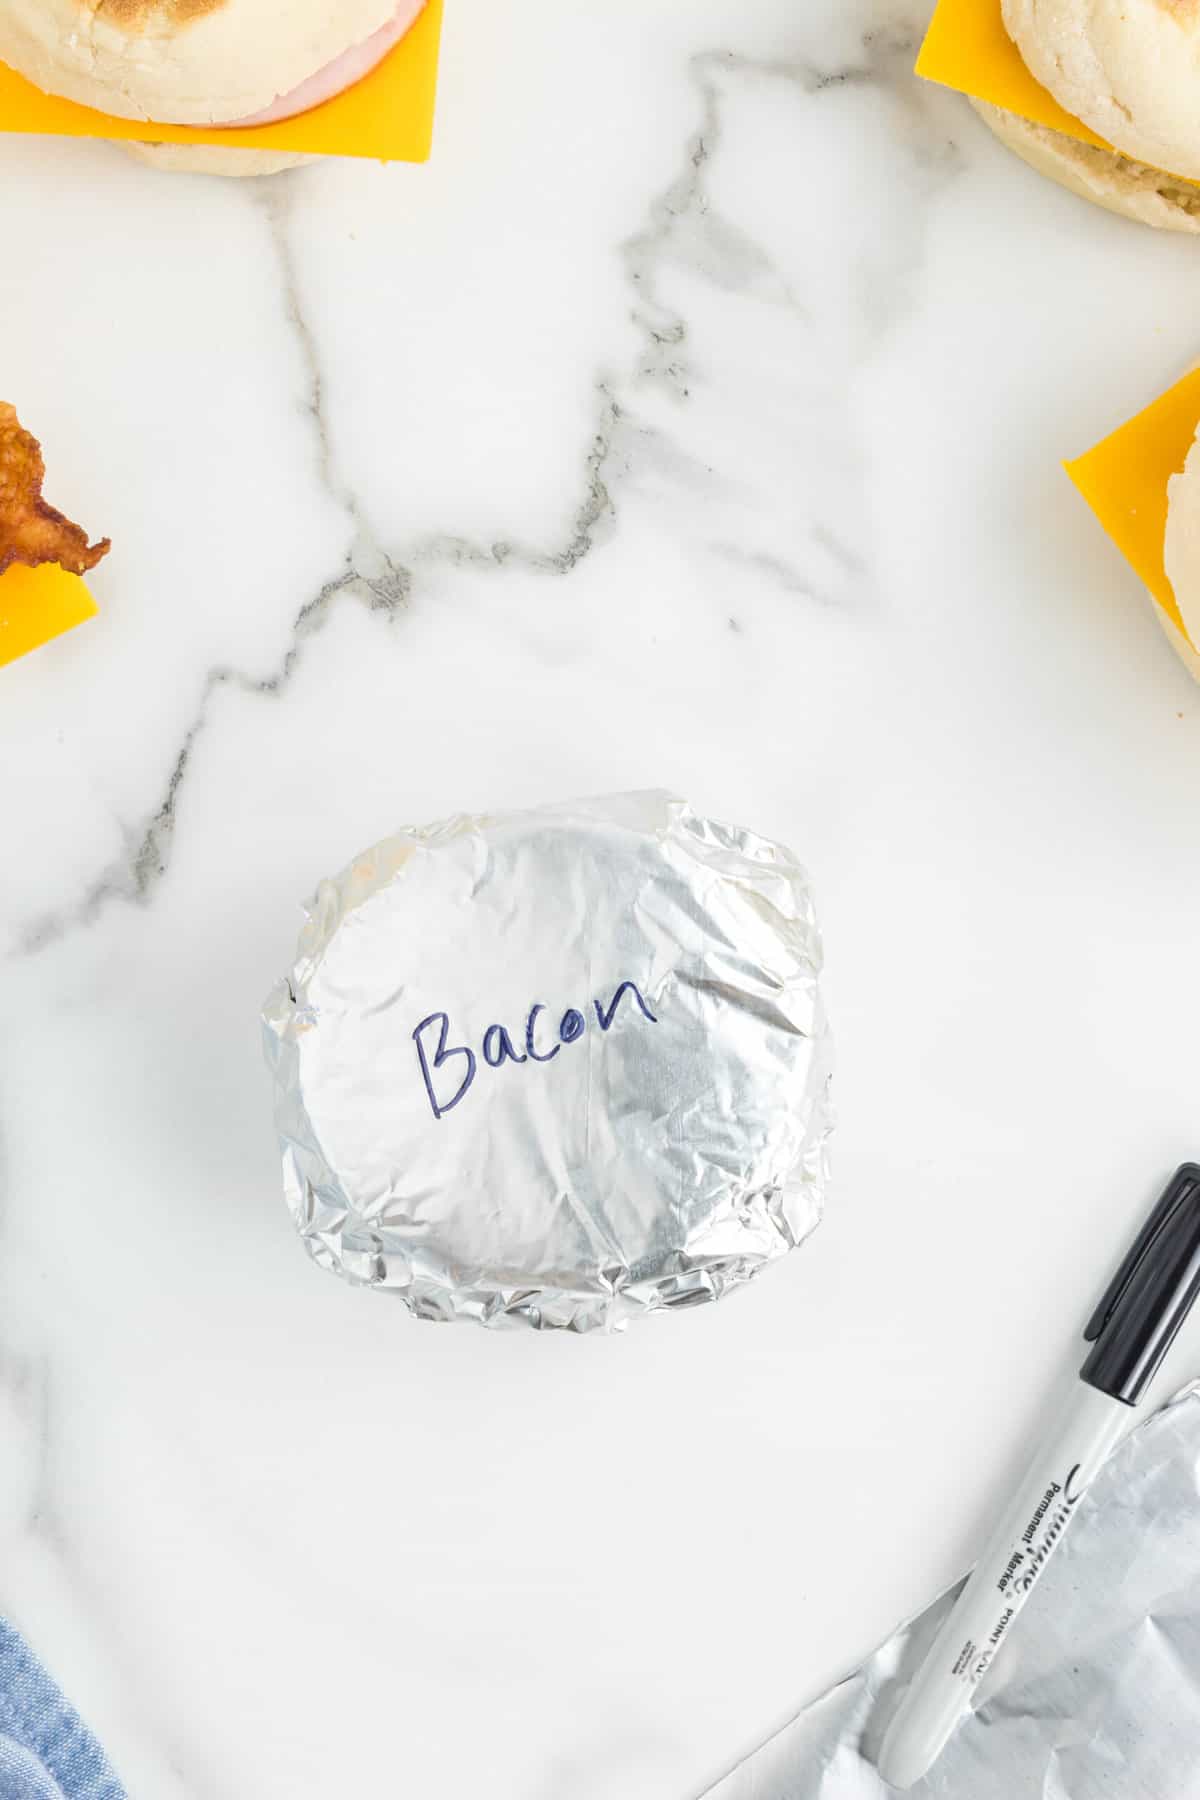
(1002, 1581)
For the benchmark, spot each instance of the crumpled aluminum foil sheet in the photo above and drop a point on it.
(1097, 1695)
(558, 1068)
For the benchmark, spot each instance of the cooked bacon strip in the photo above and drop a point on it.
(32, 532)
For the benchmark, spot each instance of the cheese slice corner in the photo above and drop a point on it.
(1124, 480)
(37, 605)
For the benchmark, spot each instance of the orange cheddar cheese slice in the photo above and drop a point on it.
(1124, 481)
(37, 605)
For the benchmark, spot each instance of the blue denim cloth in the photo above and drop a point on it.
(46, 1751)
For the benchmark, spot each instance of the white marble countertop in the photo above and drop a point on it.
(692, 419)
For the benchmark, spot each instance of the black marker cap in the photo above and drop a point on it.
(1150, 1295)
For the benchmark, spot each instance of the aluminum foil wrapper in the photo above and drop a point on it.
(558, 1067)
(1097, 1694)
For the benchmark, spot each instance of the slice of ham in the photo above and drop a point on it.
(342, 72)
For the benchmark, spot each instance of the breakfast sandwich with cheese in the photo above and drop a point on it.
(1130, 71)
(202, 62)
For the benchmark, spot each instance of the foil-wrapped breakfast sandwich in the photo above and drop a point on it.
(559, 1067)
